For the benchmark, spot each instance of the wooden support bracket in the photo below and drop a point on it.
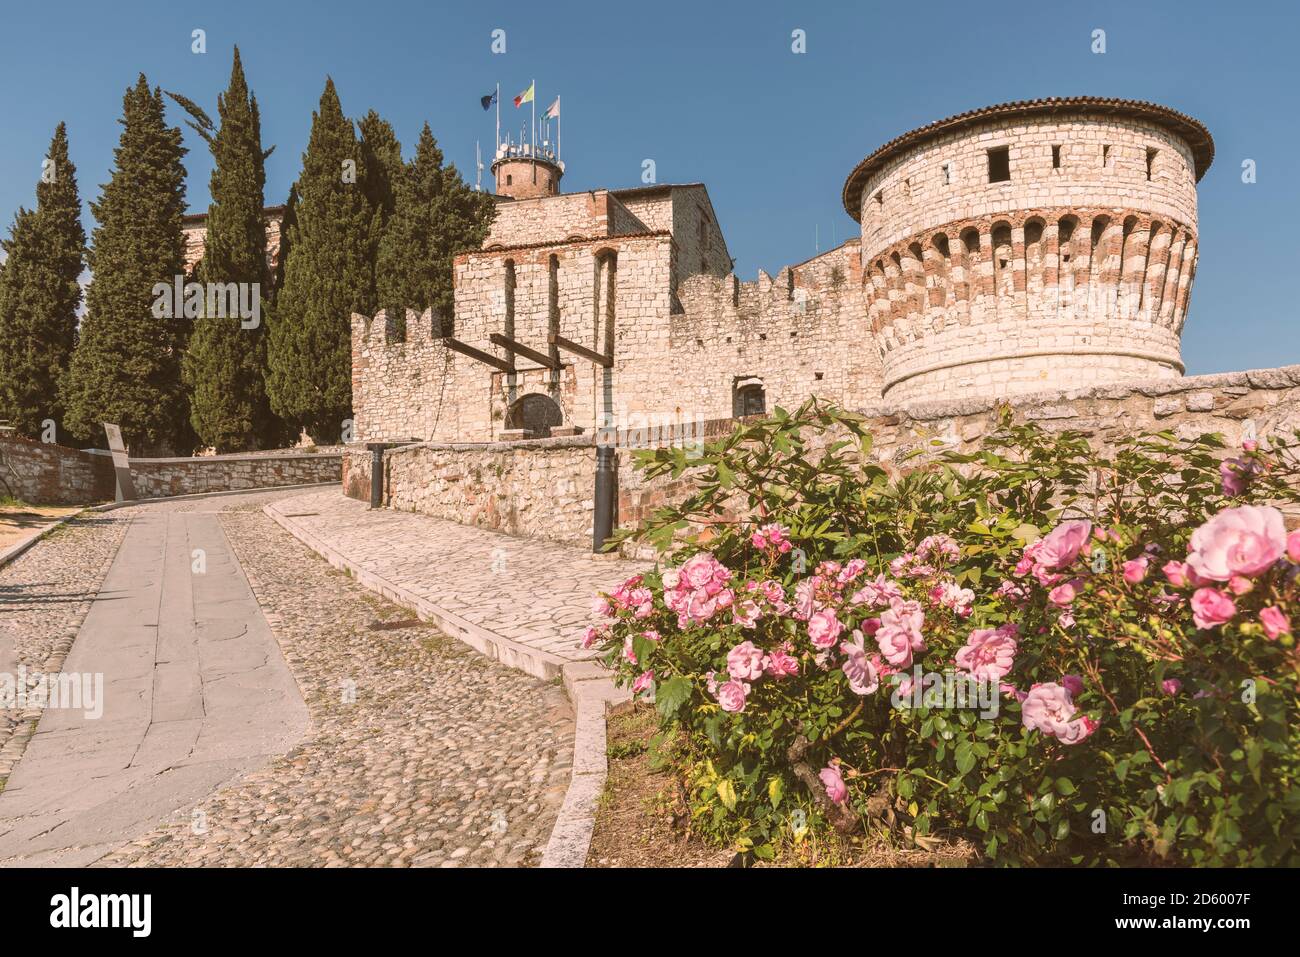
(590, 354)
(455, 345)
(517, 348)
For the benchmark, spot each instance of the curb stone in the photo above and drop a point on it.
(589, 686)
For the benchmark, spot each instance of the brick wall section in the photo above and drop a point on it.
(49, 474)
(542, 488)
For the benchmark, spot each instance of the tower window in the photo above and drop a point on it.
(509, 179)
(1000, 165)
(947, 174)
(1151, 160)
(880, 198)
(1105, 156)
(1056, 157)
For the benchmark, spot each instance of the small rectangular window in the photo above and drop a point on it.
(1105, 156)
(1056, 157)
(1151, 161)
(947, 174)
(1000, 164)
(880, 198)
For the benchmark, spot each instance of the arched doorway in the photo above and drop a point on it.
(537, 414)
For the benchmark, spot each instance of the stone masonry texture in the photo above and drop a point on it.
(1021, 248)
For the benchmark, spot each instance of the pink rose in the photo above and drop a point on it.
(1293, 546)
(862, 674)
(590, 635)
(780, 663)
(836, 789)
(1177, 572)
(1135, 570)
(1234, 474)
(1238, 541)
(824, 628)
(1171, 686)
(1275, 623)
(628, 653)
(1211, 608)
(650, 634)
(1061, 546)
(745, 662)
(1062, 595)
(989, 653)
(1072, 684)
(1048, 708)
(643, 681)
(731, 696)
(746, 613)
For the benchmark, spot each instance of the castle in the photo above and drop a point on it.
(1027, 247)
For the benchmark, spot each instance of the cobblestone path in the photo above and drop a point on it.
(419, 751)
(533, 592)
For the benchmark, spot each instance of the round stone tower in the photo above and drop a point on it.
(1040, 245)
(524, 173)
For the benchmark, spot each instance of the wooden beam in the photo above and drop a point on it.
(590, 354)
(455, 345)
(517, 348)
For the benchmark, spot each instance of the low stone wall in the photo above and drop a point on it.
(543, 488)
(162, 478)
(48, 474)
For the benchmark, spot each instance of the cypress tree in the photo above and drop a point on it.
(224, 364)
(40, 295)
(127, 364)
(381, 156)
(326, 279)
(436, 216)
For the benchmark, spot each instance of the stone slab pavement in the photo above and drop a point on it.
(523, 601)
(195, 694)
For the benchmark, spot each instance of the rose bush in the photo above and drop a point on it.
(814, 619)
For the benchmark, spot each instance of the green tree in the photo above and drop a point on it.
(436, 216)
(127, 364)
(326, 279)
(381, 158)
(40, 294)
(225, 363)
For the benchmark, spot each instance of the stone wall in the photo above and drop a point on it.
(161, 478)
(543, 488)
(47, 474)
(1078, 264)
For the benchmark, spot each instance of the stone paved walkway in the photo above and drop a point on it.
(194, 693)
(534, 593)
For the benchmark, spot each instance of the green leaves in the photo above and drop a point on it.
(671, 694)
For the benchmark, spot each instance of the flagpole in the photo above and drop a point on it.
(496, 147)
(559, 129)
(533, 88)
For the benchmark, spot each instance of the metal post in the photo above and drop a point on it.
(377, 473)
(606, 495)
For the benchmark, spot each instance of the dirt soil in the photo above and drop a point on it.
(640, 819)
(19, 521)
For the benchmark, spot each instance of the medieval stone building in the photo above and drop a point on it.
(1026, 247)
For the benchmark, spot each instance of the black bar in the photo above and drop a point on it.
(602, 526)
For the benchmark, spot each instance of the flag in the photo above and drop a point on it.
(553, 111)
(525, 97)
(488, 100)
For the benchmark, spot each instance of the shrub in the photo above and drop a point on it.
(1062, 655)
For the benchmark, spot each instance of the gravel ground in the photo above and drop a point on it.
(422, 752)
(44, 595)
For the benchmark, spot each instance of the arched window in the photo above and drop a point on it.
(748, 398)
(537, 414)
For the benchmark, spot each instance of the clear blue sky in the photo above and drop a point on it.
(712, 92)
